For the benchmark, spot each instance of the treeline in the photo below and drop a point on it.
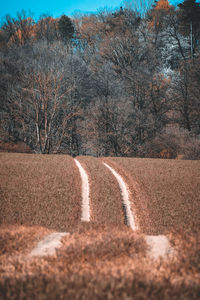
(116, 83)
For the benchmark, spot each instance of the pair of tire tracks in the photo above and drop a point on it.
(158, 246)
(85, 213)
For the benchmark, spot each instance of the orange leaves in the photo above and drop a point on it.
(162, 4)
(23, 31)
(93, 30)
(89, 28)
(160, 82)
(157, 14)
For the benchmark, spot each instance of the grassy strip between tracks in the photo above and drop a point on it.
(105, 198)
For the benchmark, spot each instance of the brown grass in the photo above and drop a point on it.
(20, 239)
(105, 263)
(105, 202)
(40, 190)
(170, 191)
(14, 147)
(102, 259)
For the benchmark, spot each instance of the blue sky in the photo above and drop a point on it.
(56, 7)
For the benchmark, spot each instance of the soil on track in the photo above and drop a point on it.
(137, 197)
(169, 191)
(43, 190)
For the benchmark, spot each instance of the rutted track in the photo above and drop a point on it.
(159, 245)
(85, 215)
(105, 197)
(125, 198)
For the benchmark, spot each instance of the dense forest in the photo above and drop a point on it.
(114, 83)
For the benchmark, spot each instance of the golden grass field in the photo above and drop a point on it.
(102, 259)
(40, 190)
(170, 190)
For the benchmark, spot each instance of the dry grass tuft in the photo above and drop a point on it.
(17, 239)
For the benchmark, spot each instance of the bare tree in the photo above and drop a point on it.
(141, 7)
(185, 93)
(19, 30)
(46, 29)
(41, 102)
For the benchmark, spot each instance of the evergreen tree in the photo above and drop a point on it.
(66, 28)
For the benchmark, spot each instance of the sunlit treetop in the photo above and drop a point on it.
(162, 5)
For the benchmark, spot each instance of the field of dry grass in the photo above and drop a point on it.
(105, 262)
(106, 203)
(102, 259)
(169, 191)
(15, 240)
(42, 190)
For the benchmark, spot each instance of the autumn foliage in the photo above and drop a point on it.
(104, 84)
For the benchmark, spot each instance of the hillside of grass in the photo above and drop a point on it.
(168, 189)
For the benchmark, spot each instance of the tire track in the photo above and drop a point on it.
(49, 244)
(105, 206)
(125, 198)
(85, 214)
(158, 245)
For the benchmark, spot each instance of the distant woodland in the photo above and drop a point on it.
(114, 83)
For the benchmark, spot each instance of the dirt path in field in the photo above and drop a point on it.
(105, 206)
(125, 198)
(158, 245)
(85, 216)
(49, 244)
